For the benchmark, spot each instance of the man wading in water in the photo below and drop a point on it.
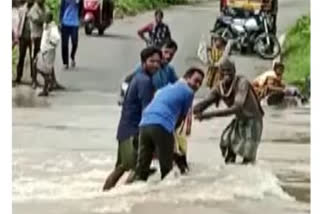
(166, 111)
(139, 95)
(242, 136)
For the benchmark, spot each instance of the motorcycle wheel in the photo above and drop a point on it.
(88, 28)
(266, 51)
(224, 32)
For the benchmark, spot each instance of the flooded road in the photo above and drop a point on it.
(64, 145)
(62, 154)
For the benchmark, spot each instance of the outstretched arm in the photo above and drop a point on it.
(204, 104)
(240, 98)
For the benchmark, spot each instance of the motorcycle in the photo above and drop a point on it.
(97, 14)
(250, 32)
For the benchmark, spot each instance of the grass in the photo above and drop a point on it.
(127, 7)
(297, 54)
(132, 7)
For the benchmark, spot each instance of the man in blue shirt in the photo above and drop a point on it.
(164, 76)
(139, 95)
(166, 111)
(70, 14)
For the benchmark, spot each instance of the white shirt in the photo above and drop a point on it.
(50, 37)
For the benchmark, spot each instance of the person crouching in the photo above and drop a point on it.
(44, 62)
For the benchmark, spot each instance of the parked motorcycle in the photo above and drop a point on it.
(97, 14)
(250, 32)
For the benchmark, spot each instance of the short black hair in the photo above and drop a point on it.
(158, 11)
(170, 44)
(189, 73)
(148, 52)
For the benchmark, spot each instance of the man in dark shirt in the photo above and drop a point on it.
(139, 95)
(158, 31)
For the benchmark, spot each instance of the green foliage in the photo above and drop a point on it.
(132, 7)
(54, 5)
(297, 53)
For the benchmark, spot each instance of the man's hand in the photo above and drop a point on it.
(147, 41)
(203, 116)
(199, 116)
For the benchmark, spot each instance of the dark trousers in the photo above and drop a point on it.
(24, 45)
(36, 48)
(154, 138)
(66, 33)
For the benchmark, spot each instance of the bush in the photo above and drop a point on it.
(54, 6)
(297, 54)
(132, 7)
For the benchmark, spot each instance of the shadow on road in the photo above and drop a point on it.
(115, 36)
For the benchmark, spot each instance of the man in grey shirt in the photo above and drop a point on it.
(36, 17)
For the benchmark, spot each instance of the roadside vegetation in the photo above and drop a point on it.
(125, 7)
(297, 54)
(132, 7)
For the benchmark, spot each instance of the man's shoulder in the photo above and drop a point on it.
(142, 78)
(170, 67)
(165, 24)
(183, 87)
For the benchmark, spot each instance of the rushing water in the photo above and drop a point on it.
(62, 153)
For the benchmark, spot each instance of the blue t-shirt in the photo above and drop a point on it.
(69, 13)
(165, 75)
(169, 103)
(138, 96)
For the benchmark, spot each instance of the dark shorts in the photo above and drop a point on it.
(127, 153)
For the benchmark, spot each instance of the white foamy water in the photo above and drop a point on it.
(65, 168)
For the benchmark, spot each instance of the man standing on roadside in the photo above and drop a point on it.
(70, 14)
(37, 17)
(158, 31)
(24, 35)
(15, 22)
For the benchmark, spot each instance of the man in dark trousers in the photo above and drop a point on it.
(70, 14)
(166, 111)
(37, 17)
(24, 35)
(139, 95)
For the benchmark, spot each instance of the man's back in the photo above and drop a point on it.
(169, 103)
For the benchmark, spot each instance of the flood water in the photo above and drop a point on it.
(64, 147)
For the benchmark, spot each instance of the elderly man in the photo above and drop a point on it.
(242, 136)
